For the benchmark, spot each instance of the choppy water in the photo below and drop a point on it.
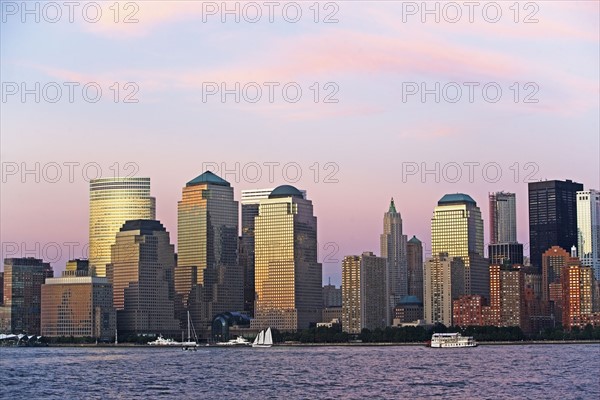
(485, 372)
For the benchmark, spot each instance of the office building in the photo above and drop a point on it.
(393, 248)
(112, 202)
(23, 280)
(588, 229)
(141, 273)
(444, 281)
(503, 218)
(457, 229)
(414, 252)
(507, 296)
(288, 277)
(552, 216)
(364, 287)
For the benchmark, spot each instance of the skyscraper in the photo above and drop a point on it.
(23, 280)
(577, 283)
(588, 229)
(552, 216)
(250, 202)
(364, 286)
(457, 229)
(287, 275)
(112, 202)
(207, 225)
(503, 218)
(393, 248)
(507, 292)
(444, 279)
(414, 252)
(141, 273)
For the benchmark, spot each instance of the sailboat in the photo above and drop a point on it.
(189, 344)
(263, 339)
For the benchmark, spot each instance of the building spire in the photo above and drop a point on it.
(392, 207)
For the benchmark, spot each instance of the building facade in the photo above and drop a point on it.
(552, 216)
(112, 202)
(364, 293)
(507, 296)
(207, 238)
(588, 229)
(414, 252)
(506, 253)
(457, 229)
(141, 273)
(470, 310)
(503, 218)
(444, 281)
(577, 300)
(288, 277)
(79, 306)
(393, 248)
(23, 280)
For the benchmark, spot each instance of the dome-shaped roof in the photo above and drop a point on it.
(285, 191)
(458, 198)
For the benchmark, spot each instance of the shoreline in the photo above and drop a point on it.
(494, 343)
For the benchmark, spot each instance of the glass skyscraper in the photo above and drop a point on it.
(288, 277)
(503, 218)
(457, 229)
(588, 229)
(112, 202)
(552, 216)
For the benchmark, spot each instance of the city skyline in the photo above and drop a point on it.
(370, 139)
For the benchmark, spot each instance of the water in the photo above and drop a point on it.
(485, 372)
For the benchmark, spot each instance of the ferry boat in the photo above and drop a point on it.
(452, 340)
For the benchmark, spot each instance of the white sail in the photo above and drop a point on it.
(255, 340)
(268, 337)
(261, 337)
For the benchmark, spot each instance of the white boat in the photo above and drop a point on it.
(239, 341)
(263, 339)
(161, 341)
(452, 340)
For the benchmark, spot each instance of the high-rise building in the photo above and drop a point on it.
(444, 281)
(393, 248)
(506, 253)
(23, 280)
(288, 277)
(112, 202)
(507, 296)
(78, 304)
(141, 273)
(250, 201)
(364, 287)
(553, 261)
(457, 229)
(552, 216)
(577, 283)
(503, 218)
(332, 296)
(207, 237)
(414, 253)
(588, 229)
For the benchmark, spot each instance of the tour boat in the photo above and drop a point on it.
(263, 339)
(452, 340)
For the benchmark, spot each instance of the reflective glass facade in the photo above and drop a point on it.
(588, 229)
(112, 202)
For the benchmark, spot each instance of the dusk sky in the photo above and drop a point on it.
(365, 144)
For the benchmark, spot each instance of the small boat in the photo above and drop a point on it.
(190, 344)
(263, 339)
(452, 340)
(239, 341)
(161, 341)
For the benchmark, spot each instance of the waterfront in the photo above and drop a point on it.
(499, 372)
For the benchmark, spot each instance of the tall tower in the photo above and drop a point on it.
(443, 279)
(141, 273)
(503, 218)
(112, 202)
(208, 279)
(588, 229)
(287, 275)
(393, 248)
(457, 229)
(414, 252)
(250, 202)
(364, 286)
(552, 216)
